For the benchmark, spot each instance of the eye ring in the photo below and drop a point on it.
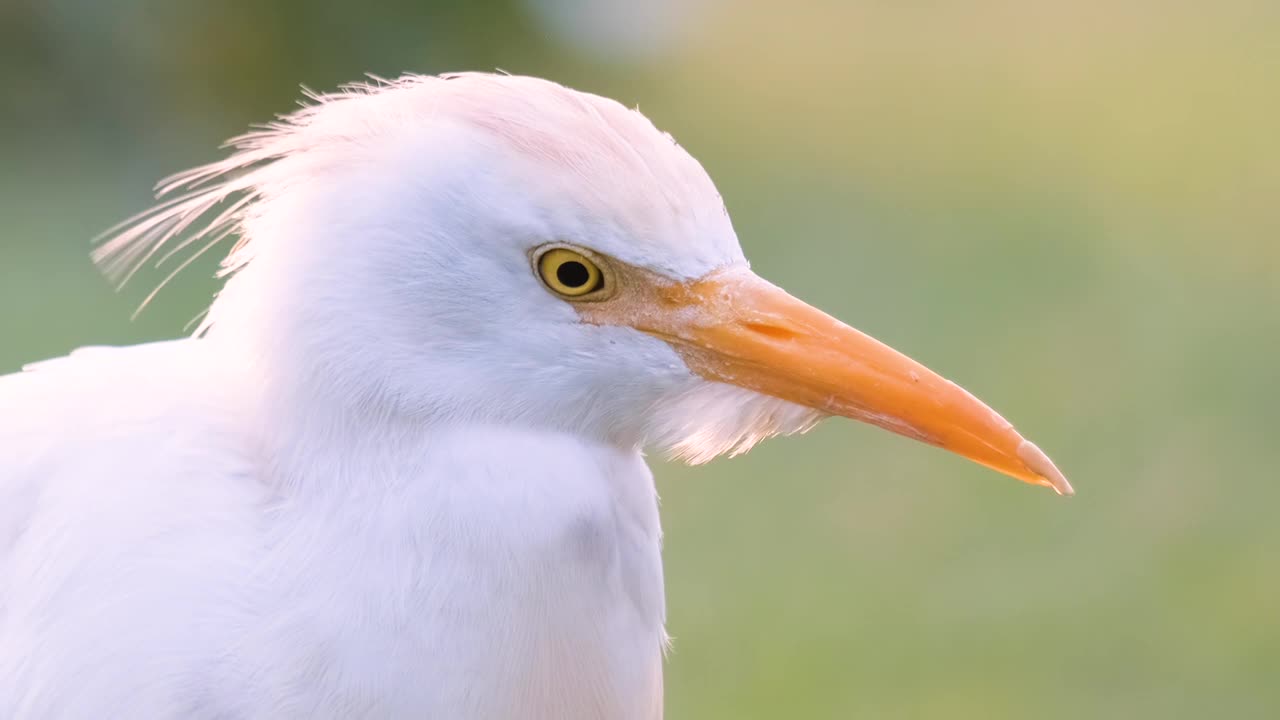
(571, 273)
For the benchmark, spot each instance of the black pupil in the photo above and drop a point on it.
(572, 274)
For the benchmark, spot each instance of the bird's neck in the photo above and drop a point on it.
(530, 552)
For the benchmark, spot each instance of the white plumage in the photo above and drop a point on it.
(395, 474)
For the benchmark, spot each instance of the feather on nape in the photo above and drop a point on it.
(205, 205)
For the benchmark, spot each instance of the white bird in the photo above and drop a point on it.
(397, 472)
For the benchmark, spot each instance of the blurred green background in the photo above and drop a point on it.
(1073, 209)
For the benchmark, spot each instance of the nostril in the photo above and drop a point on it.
(773, 331)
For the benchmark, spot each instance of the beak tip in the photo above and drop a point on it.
(1041, 465)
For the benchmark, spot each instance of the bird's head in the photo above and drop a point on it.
(505, 250)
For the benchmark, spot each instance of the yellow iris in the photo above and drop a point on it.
(569, 273)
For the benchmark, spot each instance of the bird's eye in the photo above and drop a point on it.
(569, 273)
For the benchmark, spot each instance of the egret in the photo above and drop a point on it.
(397, 471)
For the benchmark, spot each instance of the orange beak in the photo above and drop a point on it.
(737, 328)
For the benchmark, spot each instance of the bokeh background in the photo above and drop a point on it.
(1073, 209)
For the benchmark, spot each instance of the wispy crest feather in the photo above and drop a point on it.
(229, 186)
(588, 135)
